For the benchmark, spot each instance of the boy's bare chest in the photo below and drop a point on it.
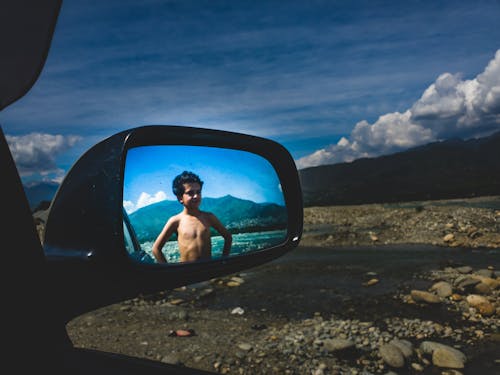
(193, 227)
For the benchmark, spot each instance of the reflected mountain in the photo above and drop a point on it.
(237, 215)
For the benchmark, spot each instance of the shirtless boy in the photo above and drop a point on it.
(191, 225)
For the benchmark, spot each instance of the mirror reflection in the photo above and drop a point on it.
(191, 203)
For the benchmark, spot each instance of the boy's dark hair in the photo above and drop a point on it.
(184, 177)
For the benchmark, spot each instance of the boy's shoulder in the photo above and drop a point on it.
(175, 218)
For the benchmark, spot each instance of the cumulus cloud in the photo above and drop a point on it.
(36, 153)
(450, 107)
(144, 200)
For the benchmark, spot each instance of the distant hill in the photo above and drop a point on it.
(237, 215)
(441, 170)
(40, 193)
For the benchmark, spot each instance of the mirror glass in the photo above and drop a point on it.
(228, 203)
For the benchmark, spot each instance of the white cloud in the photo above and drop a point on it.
(129, 206)
(36, 153)
(450, 107)
(144, 200)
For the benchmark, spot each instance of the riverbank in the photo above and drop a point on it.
(317, 311)
(473, 222)
(327, 307)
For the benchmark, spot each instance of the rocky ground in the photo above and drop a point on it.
(328, 309)
(462, 222)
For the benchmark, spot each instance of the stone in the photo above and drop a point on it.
(237, 279)
(467, 283)
(486, 309)
(484, 272)
(449, 237)
(464, 269)
(245, 347)
(417, 367)
(482, 288)
(371, 282)
(475, 300)
(492, 283)
(444, 357)
(405, 346)
(237, 311)
(334, 345)
(423, 296)
(442, 288)
(447, 353)
(391, 355)
(171, 359)
(176, 301)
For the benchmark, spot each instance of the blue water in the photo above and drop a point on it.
(242, 243)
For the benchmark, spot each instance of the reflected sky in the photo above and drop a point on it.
(150, 170)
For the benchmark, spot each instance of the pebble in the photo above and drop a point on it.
(464, 269)
(449, 237)
(442, 288)
(405, 346)
(423, 296)
(171, 359)
(371, 282)
(333, 345)
(444, 357)
(176, 301)
(237, 311)
(482, 288)
(417, 367)
(245, 347)
(391, 355)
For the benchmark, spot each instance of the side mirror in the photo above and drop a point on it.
(117, 198)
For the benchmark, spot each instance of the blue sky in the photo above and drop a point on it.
(330, 80)
(150, 170)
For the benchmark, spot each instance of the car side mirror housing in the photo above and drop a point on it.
(117, 198)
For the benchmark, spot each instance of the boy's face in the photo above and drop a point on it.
(191, 198)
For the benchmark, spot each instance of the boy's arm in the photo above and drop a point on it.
(163, 237)
(228, 237)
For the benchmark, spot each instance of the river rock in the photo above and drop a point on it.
(442, 288)
(371, 282)
(171, 359)
(405, 346)
(423, 296)
(245, 346)
(484, 272)
(392, 355)
(449, 237)
(444, 357)
(429, 347)
(464, 269)
(475, 300)
(482, 288)
(492, 283)
(334, 345)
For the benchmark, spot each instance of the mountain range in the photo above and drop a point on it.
(454, 168)
(40, 194)
(237, 215)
